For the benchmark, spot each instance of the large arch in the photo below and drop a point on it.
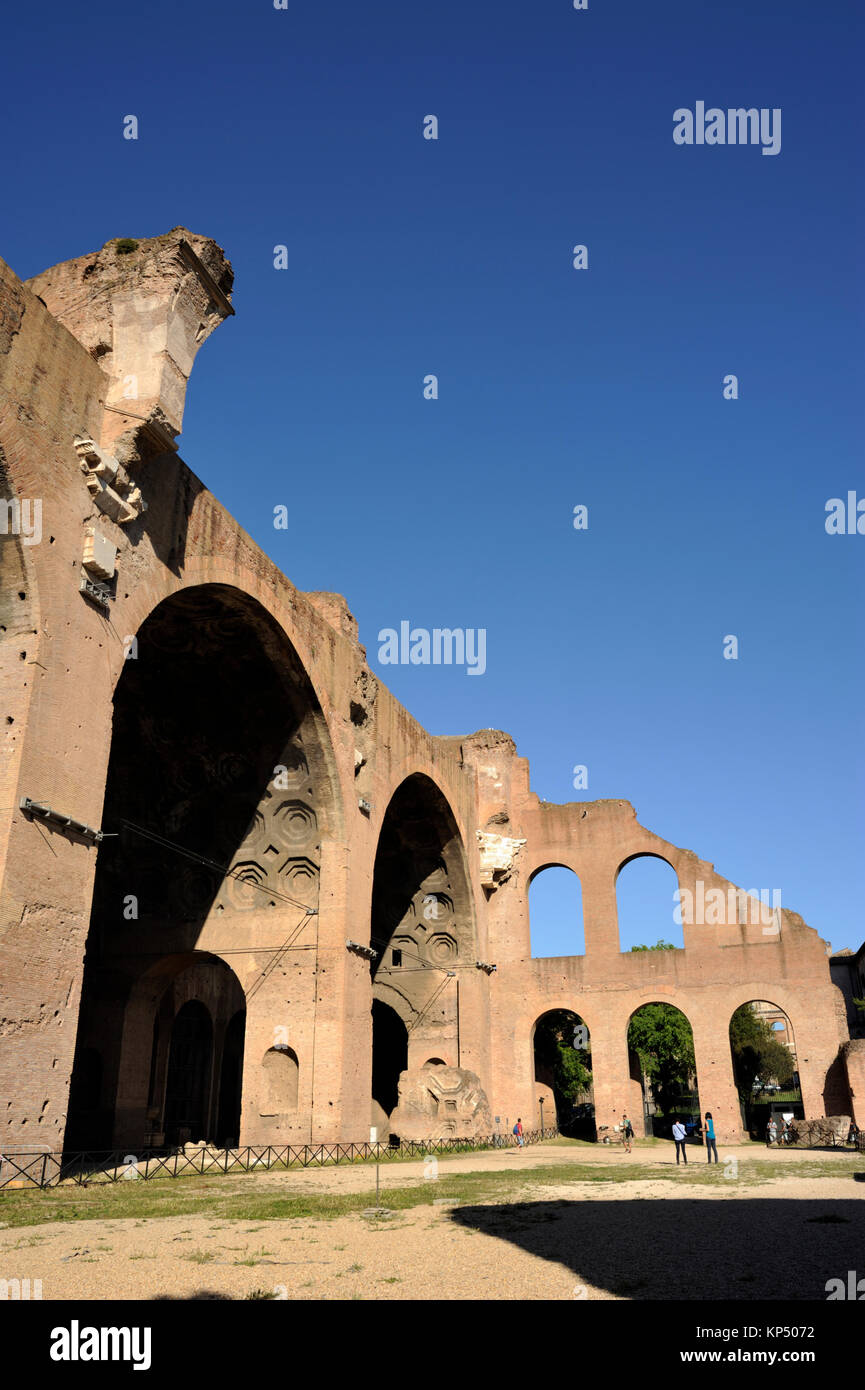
(562, 1073)
(663, 1072)
(765, 1064)
(423, 932)
(219, 794)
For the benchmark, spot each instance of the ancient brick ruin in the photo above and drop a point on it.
(213, 811)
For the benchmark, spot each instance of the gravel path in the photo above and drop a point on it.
(644, 1239)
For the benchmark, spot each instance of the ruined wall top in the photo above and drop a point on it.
(142, 309)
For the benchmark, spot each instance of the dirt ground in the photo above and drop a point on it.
(640, 1239)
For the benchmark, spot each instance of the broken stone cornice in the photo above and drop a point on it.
(498, 854)
(142, 310)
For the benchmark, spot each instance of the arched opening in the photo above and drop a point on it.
(663, 1071)
(556, 913)
(85, 1098)
(647, 905)
(423, 932)
(389, 1060)
(434, 1062)
(190, 1075)
(218, 795)
(564, 1093)
(230, 1084)
(183, 1084)
(765, 1067)
(281, 1081)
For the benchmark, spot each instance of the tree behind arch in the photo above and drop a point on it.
(569, 1067)
(758, 1056)
(662, 1039)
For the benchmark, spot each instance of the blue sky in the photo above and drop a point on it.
(557, 387)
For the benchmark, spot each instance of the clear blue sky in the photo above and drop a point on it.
(557, 387)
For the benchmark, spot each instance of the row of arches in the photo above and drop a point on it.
(221, 802)
(664, 1084)
(650, 907)
(647, 905)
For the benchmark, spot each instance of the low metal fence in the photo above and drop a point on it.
(46, 1169)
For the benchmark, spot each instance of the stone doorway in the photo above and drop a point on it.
(190, 1075)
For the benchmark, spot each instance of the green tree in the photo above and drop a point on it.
(662, 1039)
(758, 1056)
(659, 946)
(568, 1068)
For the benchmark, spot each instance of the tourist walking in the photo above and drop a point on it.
(627, 1133)
(679, 1139)
(711, 1146)
(518, 1131)
(771, 1133)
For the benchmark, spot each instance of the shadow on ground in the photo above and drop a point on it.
(738, 1249)
(200, 1296)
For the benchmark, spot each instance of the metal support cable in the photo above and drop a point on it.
(428, 1005)
(202, 859)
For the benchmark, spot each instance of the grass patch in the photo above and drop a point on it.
(243, 1199)
(255, 1257)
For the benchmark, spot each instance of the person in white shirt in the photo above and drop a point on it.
(679, 1137)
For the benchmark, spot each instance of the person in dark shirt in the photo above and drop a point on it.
(627, 1133)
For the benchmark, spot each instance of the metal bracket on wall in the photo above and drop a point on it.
(366, 951)
(99, 593)
(38, 810)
